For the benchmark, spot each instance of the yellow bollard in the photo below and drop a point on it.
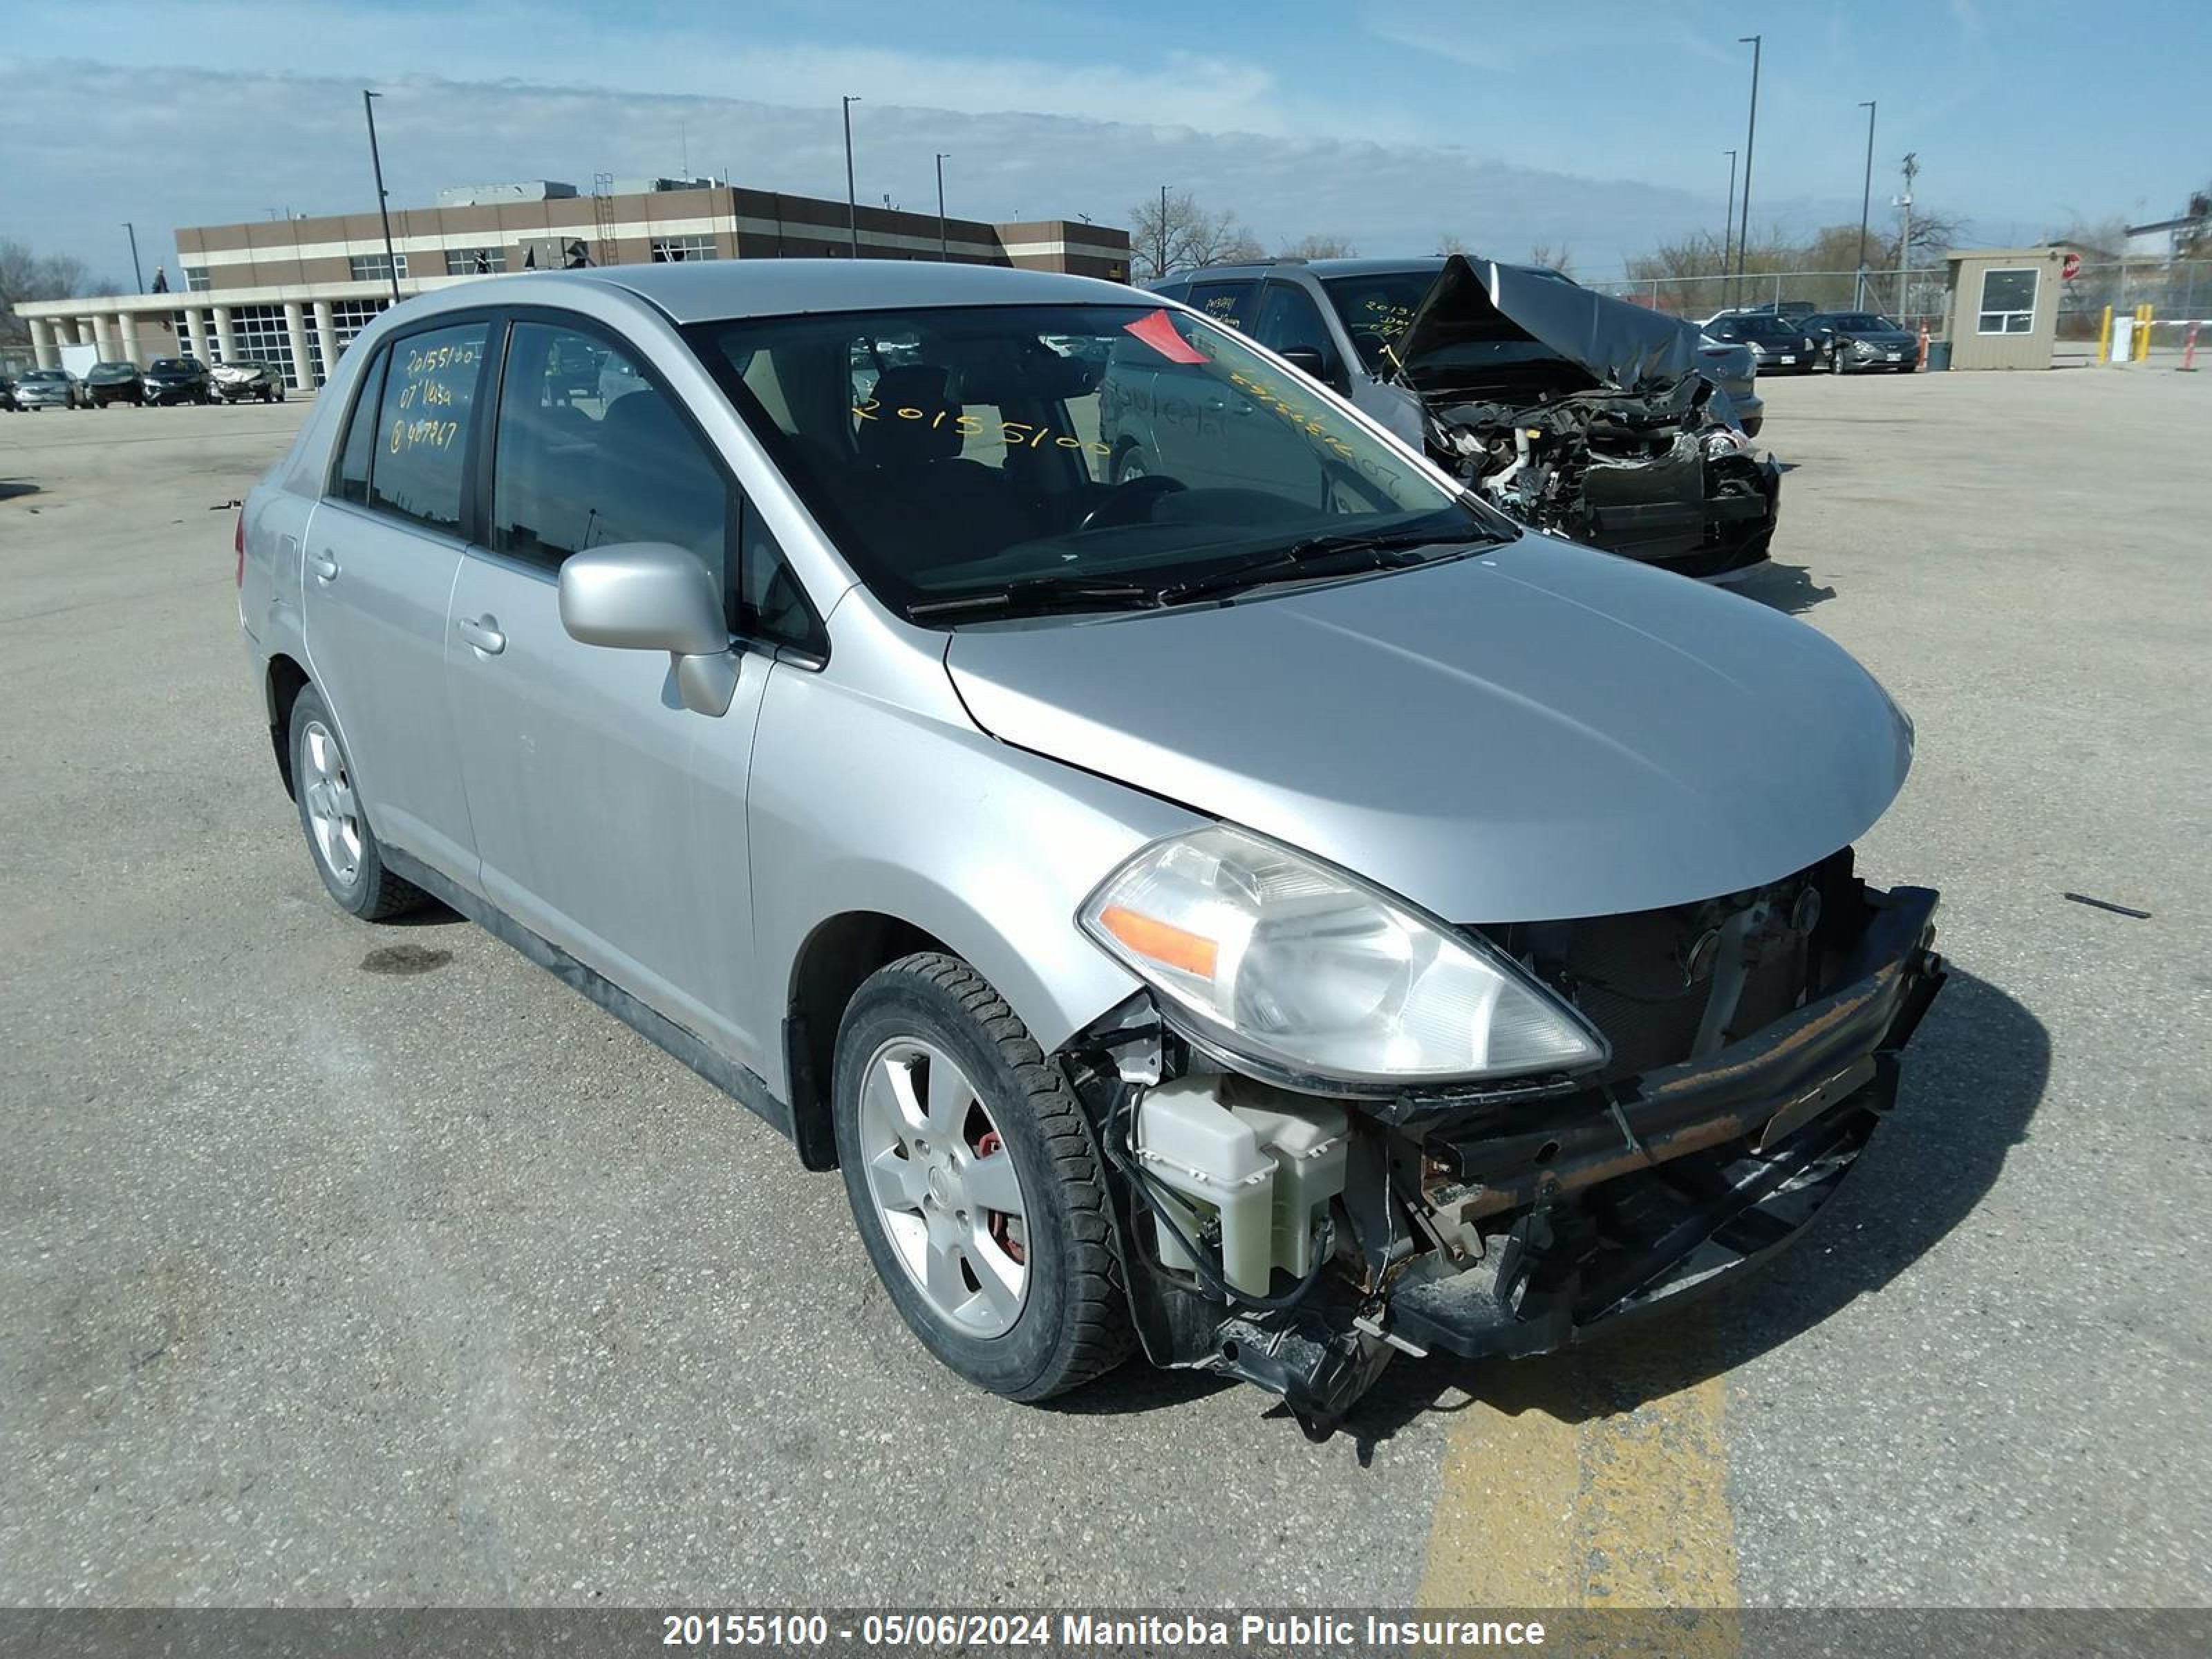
(2104, 337)
(2142, 336)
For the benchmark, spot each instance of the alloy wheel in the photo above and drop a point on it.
(334, 813)
(945, 1186)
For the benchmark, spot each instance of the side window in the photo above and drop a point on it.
(1224, 302)
(591, 453)
(424, 418)
(1289, 321)
(770, 603)
(361, 435)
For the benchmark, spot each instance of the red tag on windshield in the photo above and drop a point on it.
(1158, 331)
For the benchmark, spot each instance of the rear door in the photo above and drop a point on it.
(610, 818)
(383, 548)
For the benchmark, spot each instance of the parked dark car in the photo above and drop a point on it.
(1597, 420)
(176, 381)
(1775, 342)
(1856, 340)
(115, 383)
(245, 377)
(7, 394)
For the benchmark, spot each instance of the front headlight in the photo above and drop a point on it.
(1311, 977)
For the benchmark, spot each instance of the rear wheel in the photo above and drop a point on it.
(344, 848)
(975, 1183)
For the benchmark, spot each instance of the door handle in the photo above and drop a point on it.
(326, 567)
(483, 634)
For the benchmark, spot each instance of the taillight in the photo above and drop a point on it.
(238, 541)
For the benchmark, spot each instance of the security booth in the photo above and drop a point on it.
(2001, 305)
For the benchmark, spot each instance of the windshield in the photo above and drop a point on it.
(1376, 309)
(170, 365)
(1117, 450)
(113, 371)
(1865, 322)
(46, 375)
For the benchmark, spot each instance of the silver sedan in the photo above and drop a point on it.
(1264, 909)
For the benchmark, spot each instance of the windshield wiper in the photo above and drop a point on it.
(1039, 593)
(1340, 553)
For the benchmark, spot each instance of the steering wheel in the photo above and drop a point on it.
(1130, 501)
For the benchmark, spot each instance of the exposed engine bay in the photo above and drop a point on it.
(1300, 1241)
(1587, 418)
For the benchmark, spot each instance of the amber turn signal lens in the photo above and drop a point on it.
(1158, 941)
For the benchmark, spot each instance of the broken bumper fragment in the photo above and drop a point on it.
(1618, 1200)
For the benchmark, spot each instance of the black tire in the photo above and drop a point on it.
(280, 394)
(1074, 1323)
(374, 894)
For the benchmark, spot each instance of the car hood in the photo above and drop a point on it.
(1539, 733)
(1629, 347)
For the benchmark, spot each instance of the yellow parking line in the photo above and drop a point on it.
(1595, 1480)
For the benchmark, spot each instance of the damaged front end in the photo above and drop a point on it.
(1299, 1241)
(1586, 417)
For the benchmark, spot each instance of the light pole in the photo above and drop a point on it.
(1162, 262)
(1865, 197)
(1905, 235)
(942, 254)
(137, 272)
(383, 208)
(1728, 219)
(1750, 135)
(852, 211)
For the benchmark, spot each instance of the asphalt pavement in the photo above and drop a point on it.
(344, 1264)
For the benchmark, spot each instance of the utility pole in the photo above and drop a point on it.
(942, 254)
(1161, 264)
(1728, 220)
(137, 272)
(1866, 198)
(852, 211)
(1750, 136)
(1905, 235)
(391, 261)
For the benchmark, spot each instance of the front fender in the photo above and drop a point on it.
(861, 805)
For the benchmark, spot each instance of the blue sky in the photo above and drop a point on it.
(1588, 124)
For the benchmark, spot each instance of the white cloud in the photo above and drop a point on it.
(92, 144)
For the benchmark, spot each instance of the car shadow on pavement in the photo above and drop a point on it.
(1788, 588)
(11, 487)
(1972, 1079)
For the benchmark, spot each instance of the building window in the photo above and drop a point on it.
(349, 317)
(2008, 302)
(374, 267)
(258, 335)
(196, 279)
(474, 261)
(673, 249)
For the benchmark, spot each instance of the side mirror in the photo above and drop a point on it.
(1310, 361)
(653, 596)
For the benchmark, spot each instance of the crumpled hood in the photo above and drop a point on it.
(1629, 347)
(1534, 733)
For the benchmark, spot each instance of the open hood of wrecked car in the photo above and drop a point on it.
(1628, 348)
(1535, 733)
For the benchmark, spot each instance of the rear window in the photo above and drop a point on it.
(424, 419)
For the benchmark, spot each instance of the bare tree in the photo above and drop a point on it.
(1173, 232)
(1447, 243)
(1318, 248)
(1560, 259)
(25, 276)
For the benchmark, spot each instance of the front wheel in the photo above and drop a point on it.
(975, 1182)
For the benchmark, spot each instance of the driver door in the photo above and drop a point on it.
(611, 819)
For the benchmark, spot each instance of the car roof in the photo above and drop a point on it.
(707, 290)
(1426, 265)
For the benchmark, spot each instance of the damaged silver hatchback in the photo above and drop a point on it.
(1264, 909)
